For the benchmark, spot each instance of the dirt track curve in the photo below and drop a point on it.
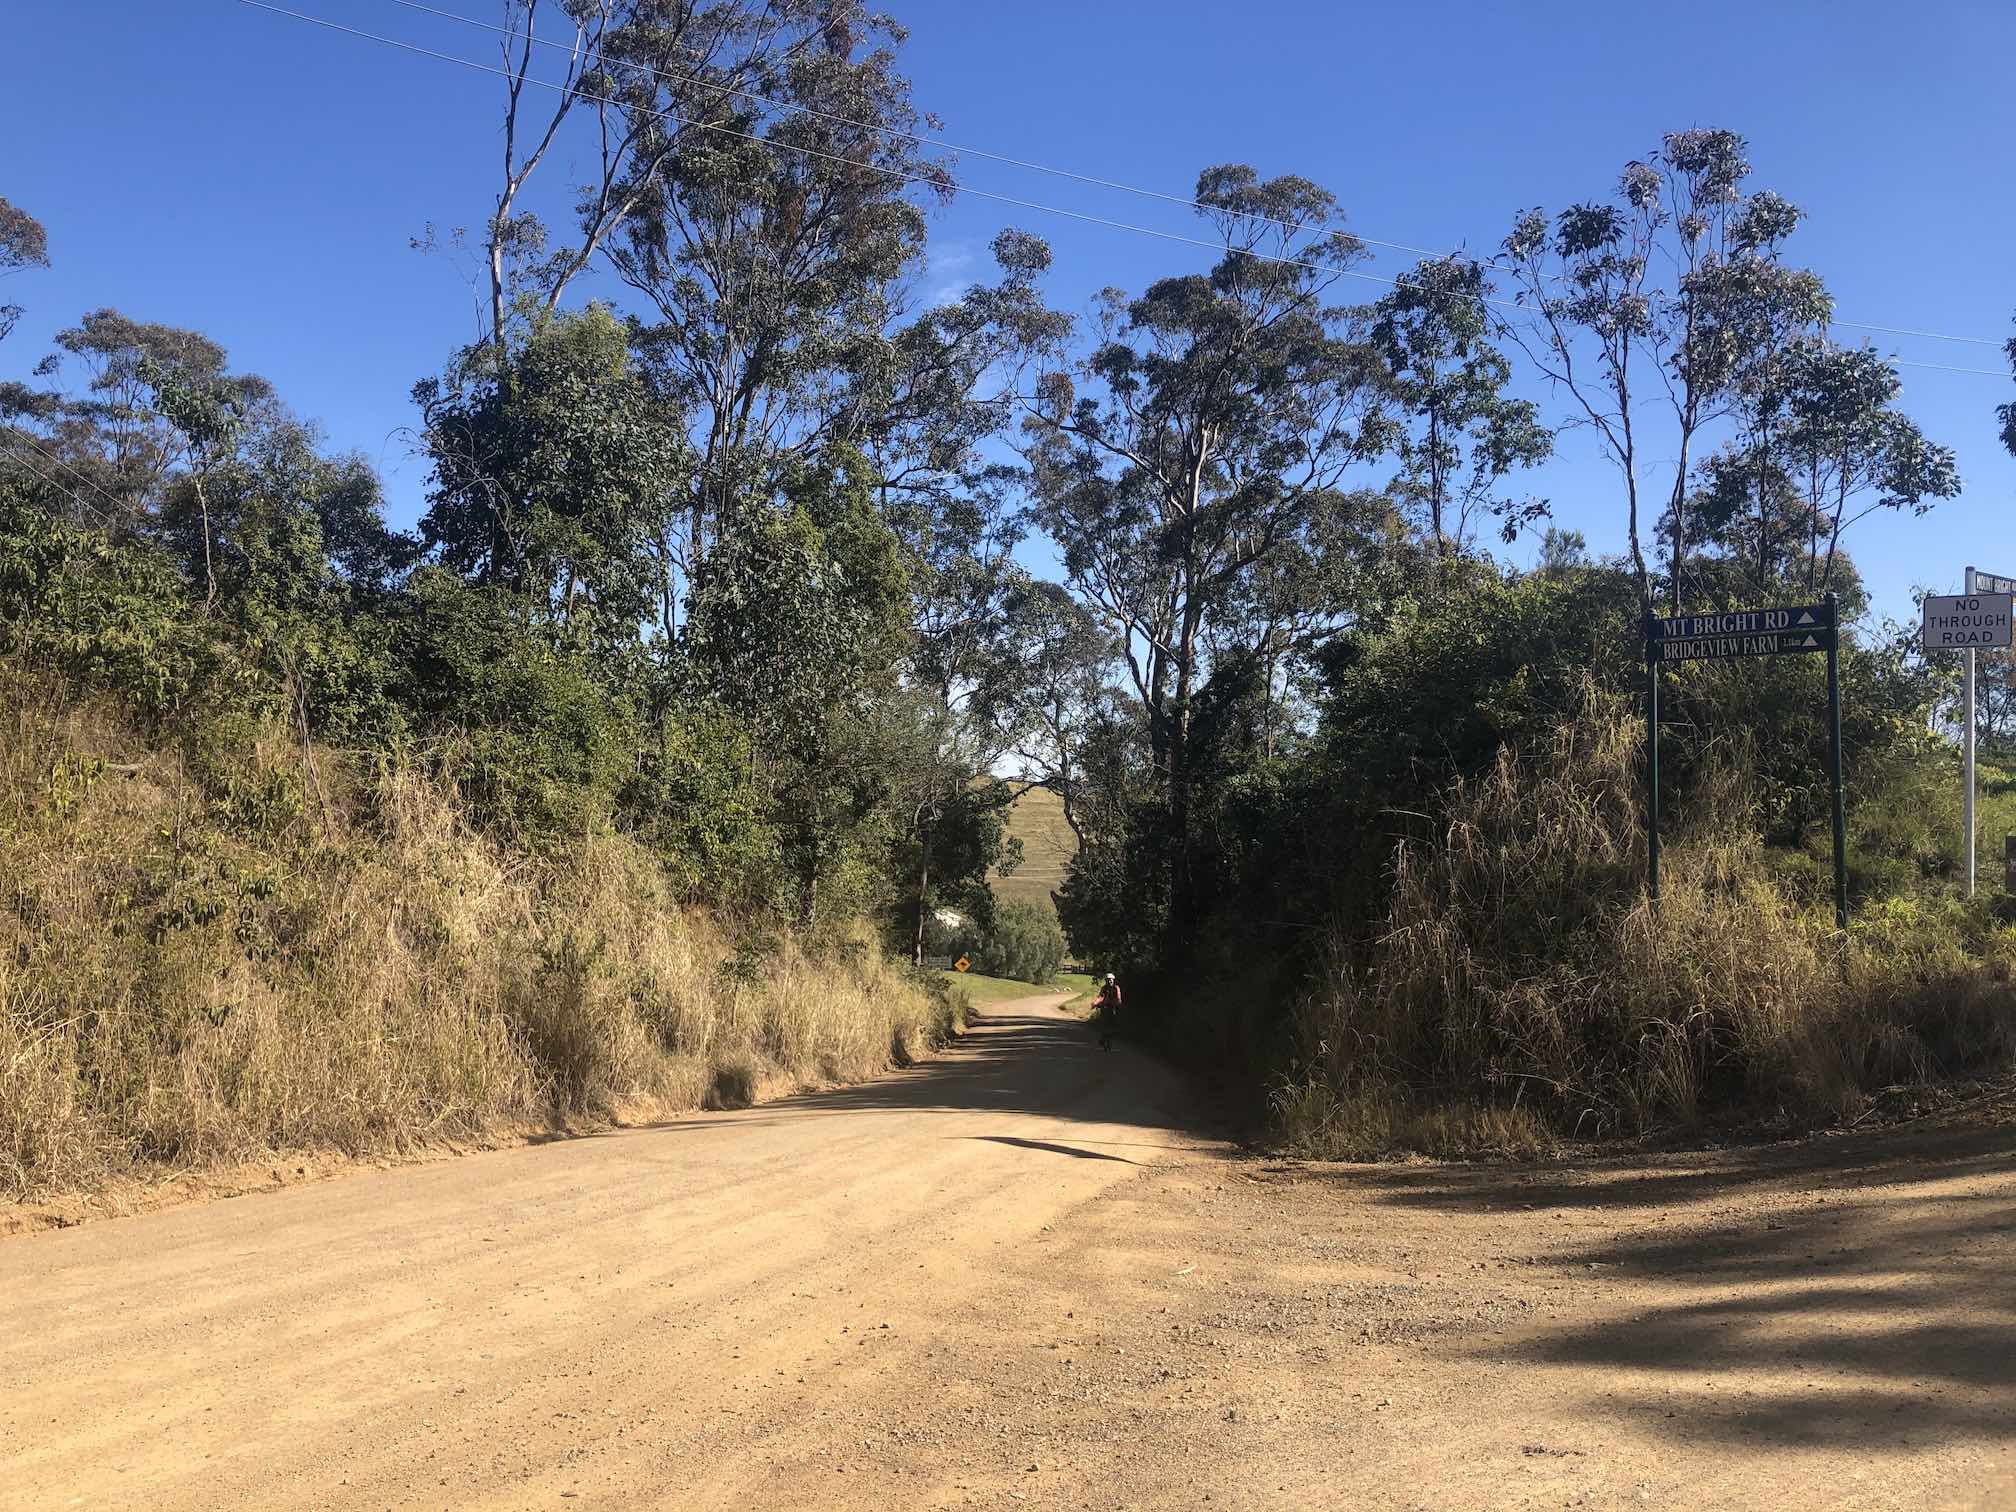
(1010, 1278)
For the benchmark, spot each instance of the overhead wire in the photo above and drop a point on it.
(1008, 160)
(69, 493)
(938, 180)
(17, 434)
(917, 138)
(1928, 335)
(944, 182)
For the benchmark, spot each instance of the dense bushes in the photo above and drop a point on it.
(1432, 906)
(1024, 943)
(1520, 987)
(200, 964)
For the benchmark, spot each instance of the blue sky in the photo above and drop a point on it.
(205, 164)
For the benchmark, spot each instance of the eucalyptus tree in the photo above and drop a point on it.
(942, 387)
(772, 260)
(23, 244)
(2006, 413)
(1457, 433)
(1217, 409)
(930, 398)
(652, 74)
(1657, 303)
(210, 419)
(963, 670)
(550, 478)
(1344, 565)
(1850, 451)
(103, 416)
(1062, 684)
(1838, 451)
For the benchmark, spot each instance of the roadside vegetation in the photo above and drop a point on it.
(981, 990)
(650, 764)
(196, 966)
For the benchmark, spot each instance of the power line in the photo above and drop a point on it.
(69, 493)
(942, 181)
(55, 461)
(909, 136)
(1035, 167)
(1940, 367)
(1928, 335)
(937, 180)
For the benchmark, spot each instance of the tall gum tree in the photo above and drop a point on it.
(1213, 414)
(23, 244)
(1456, 432)
(772, 261)
(1646, 309)
(649, 75)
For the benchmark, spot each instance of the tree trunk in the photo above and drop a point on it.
(1181, 899)
(1435, 488)
(1763, 513)
(923, 893)
(1689, 421)
(209, 568)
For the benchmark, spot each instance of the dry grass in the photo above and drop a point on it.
(193, 973)
(1522, 990)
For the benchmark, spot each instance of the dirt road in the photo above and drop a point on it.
(1008, 1278)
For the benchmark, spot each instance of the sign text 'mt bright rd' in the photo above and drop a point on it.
(1966, 621)
(1741, 632)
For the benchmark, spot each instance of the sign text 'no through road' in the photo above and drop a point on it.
(1966, 621)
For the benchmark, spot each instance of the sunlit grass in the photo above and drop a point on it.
(987, 989)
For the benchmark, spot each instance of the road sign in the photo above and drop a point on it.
(962, 964)
(1747, 632)
(1966, 621)
(1740, 632)
(1977, 619)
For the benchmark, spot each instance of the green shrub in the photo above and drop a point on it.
(1519, 966)
(1025, 944)
(948, 932)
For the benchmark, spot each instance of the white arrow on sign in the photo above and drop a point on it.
(1804, 618)
(1808, 644)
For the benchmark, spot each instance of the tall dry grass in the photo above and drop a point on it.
(194, 972)
(1521, 989)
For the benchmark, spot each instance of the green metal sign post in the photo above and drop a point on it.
(1741, 633)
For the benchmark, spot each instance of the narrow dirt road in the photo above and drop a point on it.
(1010, 1278)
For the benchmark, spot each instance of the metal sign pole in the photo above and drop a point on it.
(1724, 633)
(1834, 764)
(1652, 770)
(1967, 803)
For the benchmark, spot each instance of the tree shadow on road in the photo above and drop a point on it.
(1034, 1064)
(1833, 1293)
(1055, 1149)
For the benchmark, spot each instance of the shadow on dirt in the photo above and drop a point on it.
(1026, 1063)
(1874, 1271)
(1054, 1149)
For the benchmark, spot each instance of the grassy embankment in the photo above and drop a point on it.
(1037, 819)
(986, 989)
(1519, 990)
(200, 964)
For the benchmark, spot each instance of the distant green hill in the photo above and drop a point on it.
(1037, 820)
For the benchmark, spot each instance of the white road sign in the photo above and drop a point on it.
(1966, 621)
(1991, 582)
